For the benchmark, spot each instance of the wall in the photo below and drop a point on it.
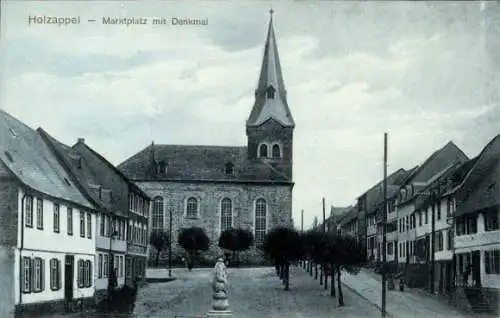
(7, 281)
(278, 198)
(47, 294)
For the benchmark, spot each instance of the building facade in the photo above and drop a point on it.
(218, 187)
(47, 242)
(122, 218)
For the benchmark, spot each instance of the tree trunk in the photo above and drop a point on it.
(310, 267)
(321, 274)
(341, 296)
(287, 276)
(158, 258)
(277, 266)
(315, 271)
(332, 282)
(326, 277)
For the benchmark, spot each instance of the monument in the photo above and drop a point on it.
(220, 304)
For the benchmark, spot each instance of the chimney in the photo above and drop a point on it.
(81, 140)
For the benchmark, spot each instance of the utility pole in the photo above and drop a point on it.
(324, 218)
(170, 246)
(302, 221)
(433, 237)
(384, 221)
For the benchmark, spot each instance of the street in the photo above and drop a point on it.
(253, 292)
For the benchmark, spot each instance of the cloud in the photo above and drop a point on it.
(426, 73)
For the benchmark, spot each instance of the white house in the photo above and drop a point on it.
(47, 242)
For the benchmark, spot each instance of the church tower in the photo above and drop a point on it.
(270, 125)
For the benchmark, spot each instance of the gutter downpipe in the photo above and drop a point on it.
(21, 248)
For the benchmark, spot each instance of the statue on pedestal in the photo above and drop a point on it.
(220, 304)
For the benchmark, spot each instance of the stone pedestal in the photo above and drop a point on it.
(219, 314)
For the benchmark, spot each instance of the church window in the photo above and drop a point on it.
(192, 207)
(276, 151)
(263, 151)
(226, 214)
(229, 168)
(157, 222)
(270, 92)
(260, 221)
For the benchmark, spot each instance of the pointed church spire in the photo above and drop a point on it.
(152, 161)
(270, 95)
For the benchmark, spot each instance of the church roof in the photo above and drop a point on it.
(26, 155)
(192, 163)
(271, 77)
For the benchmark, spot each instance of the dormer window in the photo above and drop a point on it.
(270, 92)
(229, 169)
(263, 151)
(162, 168)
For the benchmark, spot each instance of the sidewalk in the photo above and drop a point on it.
(409, 303)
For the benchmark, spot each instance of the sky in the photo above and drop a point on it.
(424, 72)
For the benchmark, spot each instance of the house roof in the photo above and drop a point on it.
(84, 174)
(270, 76)
(350, 215)
(203, 163)
(480, 187)
(26, 155)
(438, 161)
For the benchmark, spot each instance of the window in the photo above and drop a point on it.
(102, 229)
(89, 225)
(420, 218)
(105, 266)
(226, 214)
(157, 222)
(88, 274)
(69, 212)
(38, 277)
(55, 274)
(449, 206)
(270, 92)
(229, 169)
(491, 221)
(56, 218)
(82, 224)
(99, 266)
(27, 278)
(449, 240)
(439, 240)
(426, 214)
(260, 221)
(276, 151)
(191, 207)
(390, 248)
(29, 211)
(492, 262)
(263, 151)
(162, 167)
(39, 214)
(438, 210)
(80, 279)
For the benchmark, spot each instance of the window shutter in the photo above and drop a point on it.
(91, 278)
(42, 274)
(487, 262)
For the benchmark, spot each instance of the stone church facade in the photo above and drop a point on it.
(218, 187)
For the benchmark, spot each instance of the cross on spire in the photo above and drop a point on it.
(271, 11)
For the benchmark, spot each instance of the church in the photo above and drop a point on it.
(218, 187)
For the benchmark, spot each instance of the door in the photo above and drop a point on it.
(476, 268)
(68, 277)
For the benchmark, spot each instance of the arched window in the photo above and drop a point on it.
(157, 222)
(263, 151)
(270, 92)
(162, 167)
(191, 207)
(260, 221)
(276, 151)
(226, 214)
